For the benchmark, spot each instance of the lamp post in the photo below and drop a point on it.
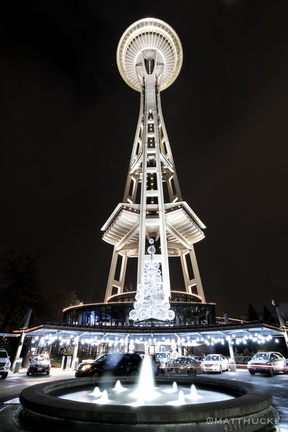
(21, 340)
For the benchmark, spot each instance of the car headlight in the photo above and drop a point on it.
(86, 367)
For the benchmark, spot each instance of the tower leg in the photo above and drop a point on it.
(195, 279)
(115, 285)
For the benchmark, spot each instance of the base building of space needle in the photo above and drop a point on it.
(153, 224)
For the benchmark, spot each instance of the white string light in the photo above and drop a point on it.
(151, 301)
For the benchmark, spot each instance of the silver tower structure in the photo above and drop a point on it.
(149, 59)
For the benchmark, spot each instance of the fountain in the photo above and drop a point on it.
(144, 404)
(144, 392)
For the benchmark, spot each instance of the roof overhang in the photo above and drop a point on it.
(255, 331)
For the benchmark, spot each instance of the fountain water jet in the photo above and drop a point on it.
(180, 401)
(181, 397)
(104, 399)
(96, 392)
(145, 389)
(193, 392)
(118, 387)
(172, 389)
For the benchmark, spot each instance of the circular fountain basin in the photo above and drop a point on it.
(43, 409)
(130, 395)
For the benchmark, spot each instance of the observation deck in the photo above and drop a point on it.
(149, 34)
(184, 228)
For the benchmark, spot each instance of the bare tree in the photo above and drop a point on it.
(19, 289)
(62, 300)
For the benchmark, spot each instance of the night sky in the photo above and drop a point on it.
(68, 122)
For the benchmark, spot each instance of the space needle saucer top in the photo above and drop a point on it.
(146, 36)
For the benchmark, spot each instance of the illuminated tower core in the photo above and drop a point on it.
(149, 59)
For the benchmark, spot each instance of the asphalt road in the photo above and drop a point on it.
(276, 385)
(11, 387)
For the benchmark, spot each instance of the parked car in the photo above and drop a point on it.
(161, 357)
(39, 364)
(215, 363)
(188, 365)
(199, 358)
(5, 363)
(183, 364)
(166, 366)
(114, 363)
(198, 364)
(267, 363)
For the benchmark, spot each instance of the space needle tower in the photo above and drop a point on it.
(152, 224)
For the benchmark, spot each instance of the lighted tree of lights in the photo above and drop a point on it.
(151, 301)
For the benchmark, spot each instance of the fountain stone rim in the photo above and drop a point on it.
(40, 400)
